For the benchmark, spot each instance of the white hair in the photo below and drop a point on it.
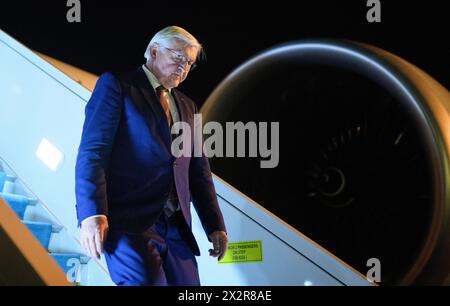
(168, 34)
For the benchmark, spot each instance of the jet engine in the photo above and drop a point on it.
(364, 148)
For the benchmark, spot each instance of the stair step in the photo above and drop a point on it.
(17, 202)
(2, 179)
(42, 231)
(7, 183)
(68, 260)
(66, 256)
(71, 263)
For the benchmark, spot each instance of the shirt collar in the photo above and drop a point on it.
(151, 77)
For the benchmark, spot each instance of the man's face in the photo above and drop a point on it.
(172, 63)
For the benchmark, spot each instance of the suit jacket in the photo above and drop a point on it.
(125, 169)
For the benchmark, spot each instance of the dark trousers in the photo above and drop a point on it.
(158, 257)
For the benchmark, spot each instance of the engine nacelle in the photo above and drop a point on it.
(364, 153)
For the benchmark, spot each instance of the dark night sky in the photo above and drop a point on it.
(113, 35)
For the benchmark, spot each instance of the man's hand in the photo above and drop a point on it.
(93, 235)
(220, 244)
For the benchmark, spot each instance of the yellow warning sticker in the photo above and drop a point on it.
(241, 252)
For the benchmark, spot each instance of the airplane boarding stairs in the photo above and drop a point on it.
(41, 117)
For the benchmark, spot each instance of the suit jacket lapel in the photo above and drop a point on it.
(149, 94)
(179, 101)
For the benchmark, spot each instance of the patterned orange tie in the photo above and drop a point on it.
(164, 100)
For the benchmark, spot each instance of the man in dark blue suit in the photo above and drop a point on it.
(133, 195)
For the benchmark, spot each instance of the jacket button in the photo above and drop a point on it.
(174, 163)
